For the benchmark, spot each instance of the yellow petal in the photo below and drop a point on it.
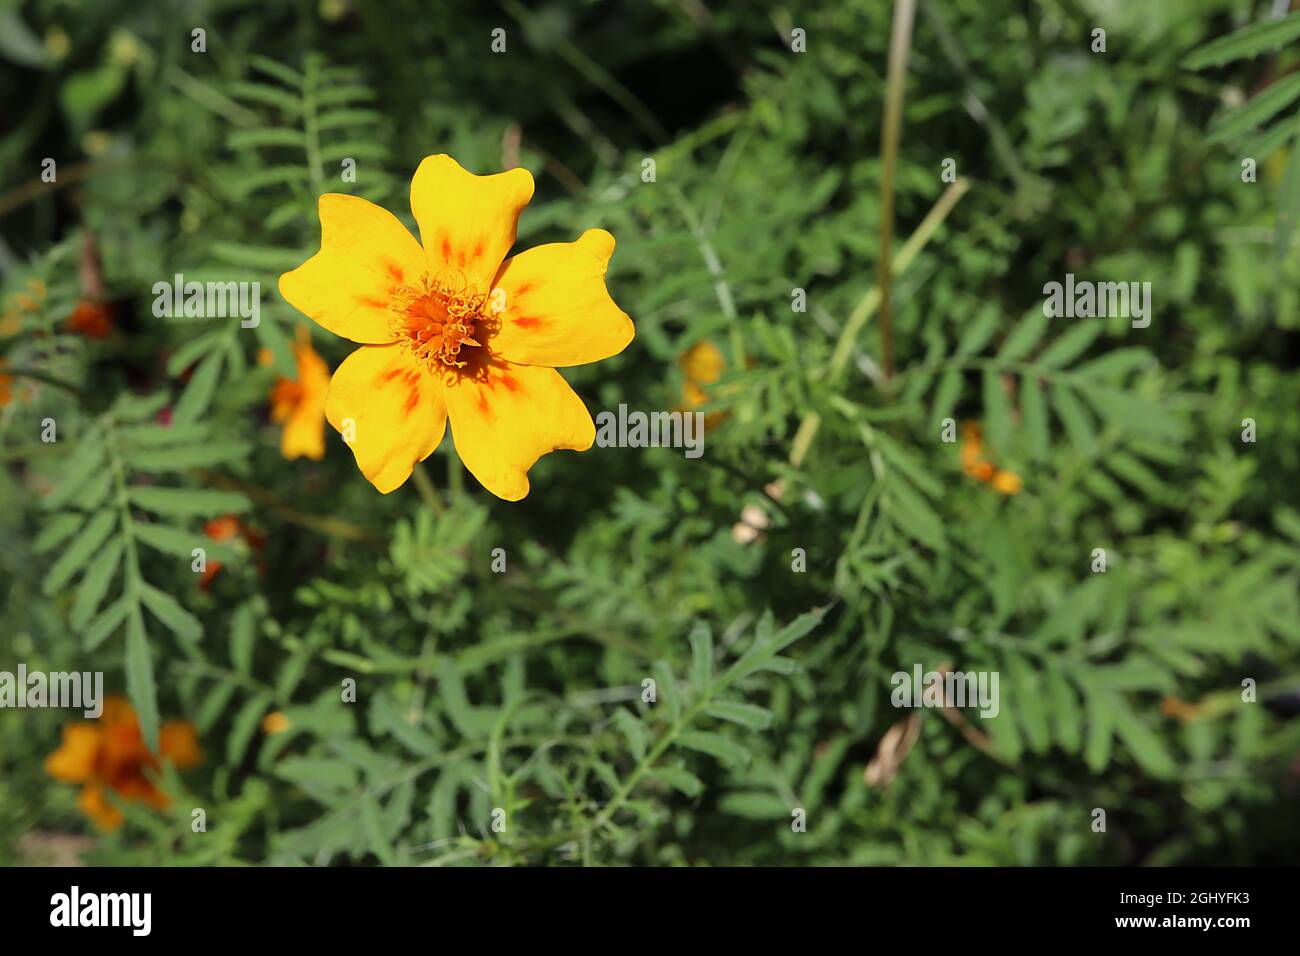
(396, 409)
(365, 253)
(74, 761)
(703, 363)
(179, 743)
(303, 435)
(467, 222)
(556, 310)
(507, 416)
(95, 805)
(304, 421)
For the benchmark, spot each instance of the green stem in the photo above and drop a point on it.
(48, 379)
(899, 44)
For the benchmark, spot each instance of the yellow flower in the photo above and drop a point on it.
(449, 330)
(109, 753)
(702, 365)
(1007, 482)
(275, 723)
(299, 405)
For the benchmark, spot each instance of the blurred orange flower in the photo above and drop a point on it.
(299, 404)
(30, 301)
(94, 320)
(110, 754)
(974, 463)
(702, 365)
(226, 528)
(275, 723)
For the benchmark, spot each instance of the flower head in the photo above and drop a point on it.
(94, 320)
(451, 329)
(702, 365)
(227, 528)
(299, 404)
(110, 754)
(974, 463)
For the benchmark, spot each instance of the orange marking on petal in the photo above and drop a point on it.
(391, 374)
(482, 403)
(523, 289)
(511, 383)
(372, 302)
(446, 248)
(394, 271)
(527, 322)
(412, 400)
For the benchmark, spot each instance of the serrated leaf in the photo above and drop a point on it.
(170, 612)
(979, 333)
(680, 780)
(268, 258)
(263, 93)
(666, 688)
(187, 502)
(79, 551)
(197, 396)
(1024, 337)
(244, 139)
(58, 530)
(634, 730)
(214, 705)
(107, 622)
(1067, 716)
(997, 410)
(139, 678)
(84, 464)
(715, 745)
(272, 337)
(95, 584)
(701, 657)
(1101, 726)
(1249, 41)
(245, 725)
(275, 69)
(1144, 744)
(187, 456)
(1033, 418)
(1288, 203)
(1258, 111)
(1070, 345)
(1075, 418)
(754, 805)
(747, 715)
(181, 544)
(243, 634)
(947, 394)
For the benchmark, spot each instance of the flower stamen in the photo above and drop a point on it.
(434, 318)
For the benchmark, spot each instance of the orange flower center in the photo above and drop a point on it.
(434, 319)
(285, 397)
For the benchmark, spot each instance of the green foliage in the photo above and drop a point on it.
(640, 674)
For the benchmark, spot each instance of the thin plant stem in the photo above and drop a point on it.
(899, 44)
